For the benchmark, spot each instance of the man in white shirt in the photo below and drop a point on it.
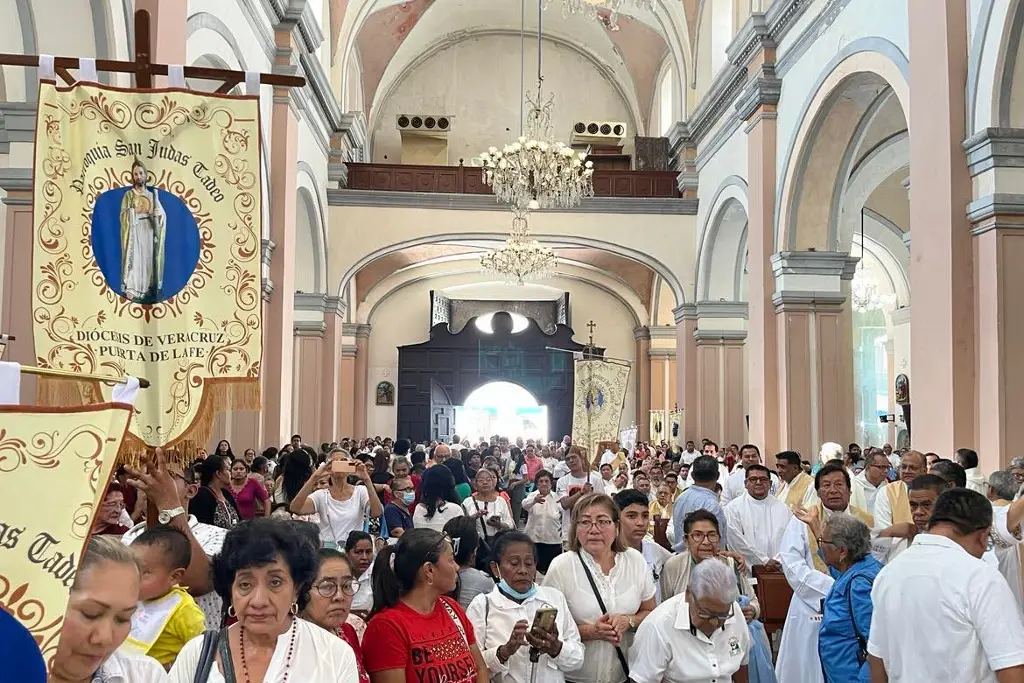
(757, 520)
(976, 481)
(578, 482)
(711, 450)
(735, 483)
(1006, 530)
(974, 626)
(634, 519)
(892, 504)
(690, 454)
(872, 478)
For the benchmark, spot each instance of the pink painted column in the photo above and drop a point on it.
(642, 368)
(942, 340)
(720, 368)
(309, 380)
(347, 390)
(16, 290)
(686, 370)
(278, 321)
(360, 395)
(330, 368)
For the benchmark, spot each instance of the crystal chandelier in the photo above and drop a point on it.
(591, 9)
(535, 171)
(521, 257)
(864, 291)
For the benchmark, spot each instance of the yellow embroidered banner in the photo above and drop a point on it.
(147, 212)
(598, 396)
(55, 464)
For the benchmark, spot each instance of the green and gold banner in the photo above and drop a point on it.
(147, 212)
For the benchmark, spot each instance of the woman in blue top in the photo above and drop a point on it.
(845, 545)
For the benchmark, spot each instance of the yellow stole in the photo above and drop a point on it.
(899, 502)
(796, 490)
(812, 542)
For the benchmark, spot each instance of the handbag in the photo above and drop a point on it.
(226, 663)
(483, 549)
(604, 610)
(207, 656)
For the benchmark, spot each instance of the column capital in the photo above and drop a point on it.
(685, 312)
(996, 211)
(994, 148)
(760, 96)
(641, 333)
(309, 328)
(305, 301)
(722, 309)
(662, 332)
(267, 288)
(900, 316)
(665, 354)
(17, 183)
(357, 330)
(348, 350)
(720, 337)
(808, 302)
(812, 270)
(267, 250)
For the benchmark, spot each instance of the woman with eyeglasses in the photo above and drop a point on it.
(416, 632)
(697, 636)
(330, 598)
(607, 586)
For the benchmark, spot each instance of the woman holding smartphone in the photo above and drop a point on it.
(341, 508)
(524, 631)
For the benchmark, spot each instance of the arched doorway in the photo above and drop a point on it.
(501, 408)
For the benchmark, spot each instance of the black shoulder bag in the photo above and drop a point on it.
(483, 550)
(207, 656)
(604, 610)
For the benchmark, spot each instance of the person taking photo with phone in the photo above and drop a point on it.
(341, 508)
(525, 631)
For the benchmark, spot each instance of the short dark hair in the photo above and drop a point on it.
(968, 458)
(830, 468)
(506, 538)
(627, 497)
(967, 511)
(641, 475)
(791, 457)
(354, 537)
(543, 473)
(175, 545)
(757, 468)
(952, 472)
(709, 442)
(258, 542)
(295, 436)
(750, 445)
(704, 469)
(699, 516)
(928, 481)
(463, 528)
(401, 447)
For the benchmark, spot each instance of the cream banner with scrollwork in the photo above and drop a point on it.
(598, 397)
(147, 252)
(55, 464)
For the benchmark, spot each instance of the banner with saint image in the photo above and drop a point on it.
(55, 464)
(147, 210)
(598, 396)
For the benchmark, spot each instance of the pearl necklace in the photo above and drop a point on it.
(287, 661)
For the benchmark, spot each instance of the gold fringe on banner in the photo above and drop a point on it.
(67, 393)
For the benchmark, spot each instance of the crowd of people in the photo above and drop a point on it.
(382, 561)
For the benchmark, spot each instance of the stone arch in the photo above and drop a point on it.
(829, 119)
(650, 261)
(723, 243)
(1008, 105)
(311, 211)
(889, 157)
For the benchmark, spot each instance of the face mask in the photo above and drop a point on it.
(513, 593)
(408, 497)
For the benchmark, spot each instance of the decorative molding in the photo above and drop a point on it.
(994, 148)
(825, 263)
(685, 312)
(641, 333)
(664, 354)
(267, 288)
(335, 305)
(764, 90)
(17, 180)
(662, 332)
(1000, 210)
(900, 316)
(814, 30)
(719, 337)
(17, 124)
(348, 350)
(309, 328)
(305, 301)
(722, 309)
(807, 301)
(471, 202)
(357, 330)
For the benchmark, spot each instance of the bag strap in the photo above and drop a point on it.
(483, 522)
(862, 642)
(458, 622)
(207, 656)
(226, 664)
(604, 610)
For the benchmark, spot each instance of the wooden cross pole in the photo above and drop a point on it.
(144, 69)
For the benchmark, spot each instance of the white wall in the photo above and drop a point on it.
(477, 81)
(403, 318)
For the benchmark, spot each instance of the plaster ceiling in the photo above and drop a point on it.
(892, 200)
(636, 276)
(397, 35)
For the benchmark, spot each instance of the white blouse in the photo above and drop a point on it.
(319, 657)
(441, 516)
(544, 524)
(623, 589)
(487, 510)
(122, 668)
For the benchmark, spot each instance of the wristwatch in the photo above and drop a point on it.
(166, 516)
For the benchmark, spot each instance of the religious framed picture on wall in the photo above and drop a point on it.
(385, 394)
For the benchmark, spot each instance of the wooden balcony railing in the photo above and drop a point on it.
(469, 180)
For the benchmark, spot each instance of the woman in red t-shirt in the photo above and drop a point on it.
(419, 634)
(330, 598)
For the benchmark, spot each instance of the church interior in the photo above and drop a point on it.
(759, 170)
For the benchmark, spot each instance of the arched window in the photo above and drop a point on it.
(666, 116)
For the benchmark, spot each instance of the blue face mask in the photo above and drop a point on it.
(513, 593)
(408, 497)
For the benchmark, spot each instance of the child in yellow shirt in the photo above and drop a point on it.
(167, 616)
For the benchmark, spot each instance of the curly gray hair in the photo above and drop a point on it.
(714, 579)
(850, 534)
(1003, 484)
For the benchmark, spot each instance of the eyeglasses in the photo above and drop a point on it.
(700, 537)
(822, 541)
(758, 480)
(716, 617)
(328, 588)
(601, 524)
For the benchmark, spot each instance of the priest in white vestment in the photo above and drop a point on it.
(892, 504)
(735, 483)
(809, 576)
(873, 478)
(757, 520)
(1007, 539)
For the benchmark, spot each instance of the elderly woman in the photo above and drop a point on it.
(110, 520)
(503, 619)
(330, 599)
(264, 573)
(607, 586)
(491, 511)
(544, 520)
(99, 617)
(845, 544)
(697, 636)
(417, 632)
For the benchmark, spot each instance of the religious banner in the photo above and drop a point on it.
(675, 419)
(657, 426)
(55, 464)
(598, 397)
(147, 209)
